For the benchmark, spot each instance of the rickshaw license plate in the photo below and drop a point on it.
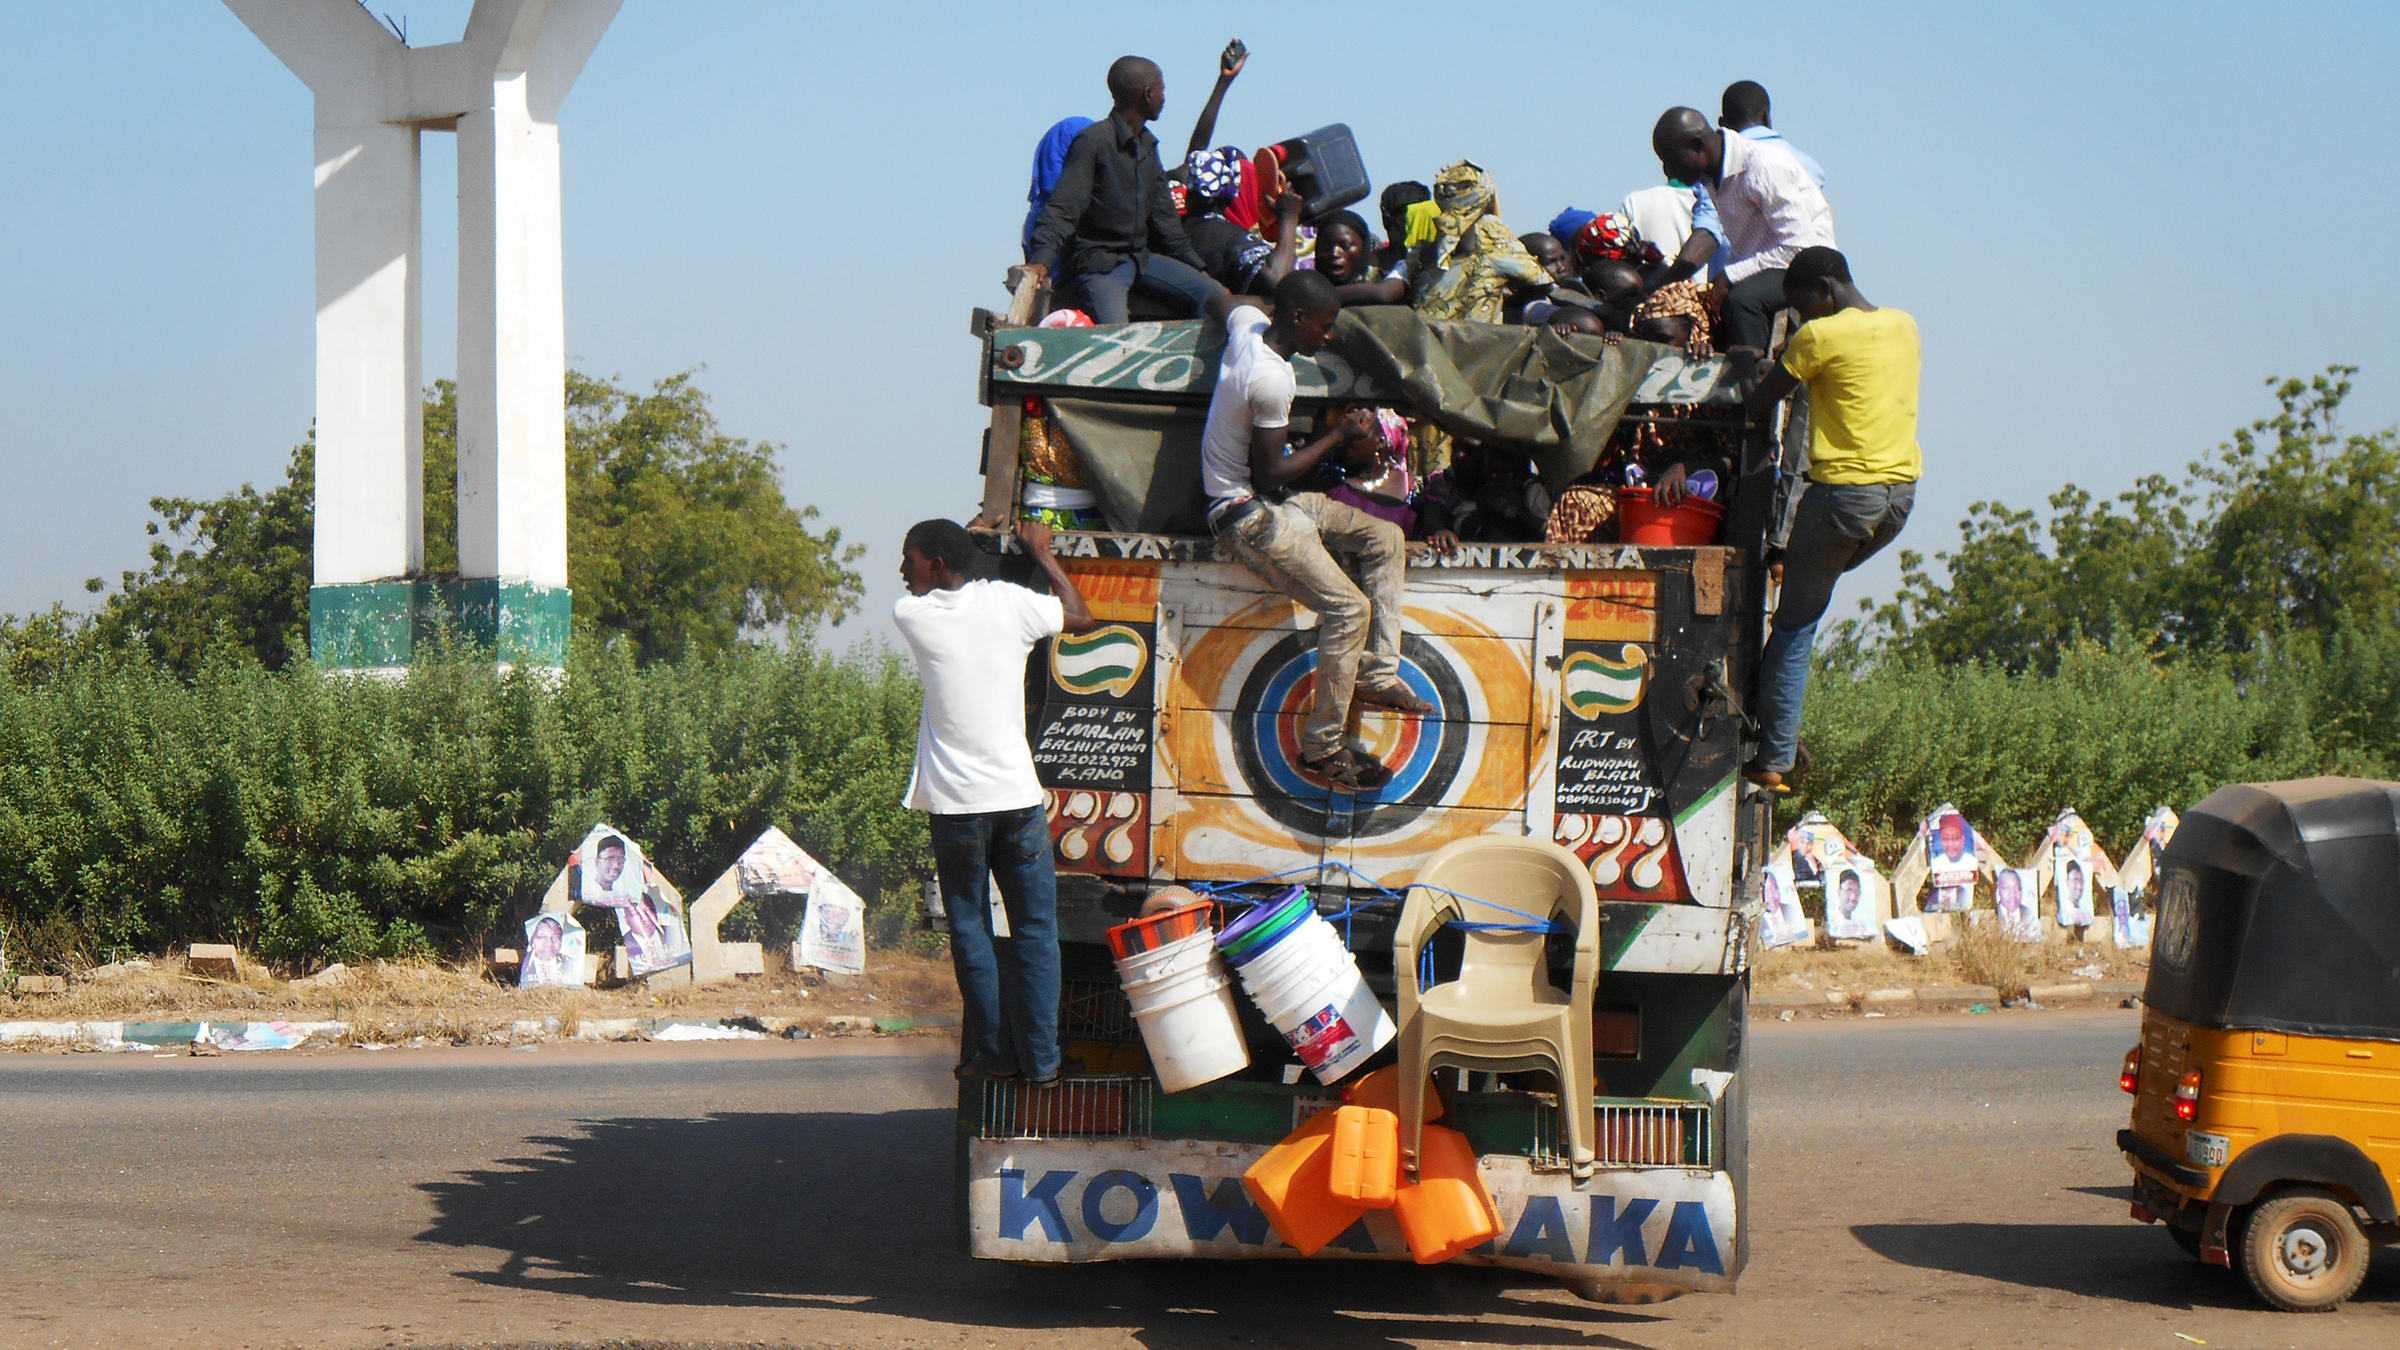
(2204, 1150)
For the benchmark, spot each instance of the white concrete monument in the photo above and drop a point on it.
(499, 88)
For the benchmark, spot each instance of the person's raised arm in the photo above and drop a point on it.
(1229, 64)
(1271, 468)
(1279, 263)
(1035, 536)
(1067, 201)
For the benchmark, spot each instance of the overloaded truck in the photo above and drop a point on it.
(1587, 694)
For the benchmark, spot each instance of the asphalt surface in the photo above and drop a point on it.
(1929, 1181)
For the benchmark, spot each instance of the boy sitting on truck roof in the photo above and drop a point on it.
(1290, 538)
(976, 779)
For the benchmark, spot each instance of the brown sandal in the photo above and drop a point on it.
(1396, 697)
(1347, 771)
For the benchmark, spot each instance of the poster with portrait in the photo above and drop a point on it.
(2073, 869)
(1951, 864)
(2072, 882)
(616, 876)
(833, 932)
(611, 865)
(1850, 908)
(2131, 927)
(2142, 861)
(553, 956)
(1818, 849)
(2016, 894)
(1780, 921)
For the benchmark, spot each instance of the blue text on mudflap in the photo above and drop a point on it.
(1121, 1206)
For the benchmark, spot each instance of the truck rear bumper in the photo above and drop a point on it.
(1065, 1201)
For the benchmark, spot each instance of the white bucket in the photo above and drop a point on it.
(1309, 986)
(1183, 953)
(1189, 1021)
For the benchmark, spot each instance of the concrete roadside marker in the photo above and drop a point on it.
(213, 961)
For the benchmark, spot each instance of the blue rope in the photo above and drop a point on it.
(1386, 895)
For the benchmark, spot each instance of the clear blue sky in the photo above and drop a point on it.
(2113, 222)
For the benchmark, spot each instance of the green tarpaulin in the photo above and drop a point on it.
(1557, 399)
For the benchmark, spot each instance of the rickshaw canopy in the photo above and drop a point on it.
(2279, 910)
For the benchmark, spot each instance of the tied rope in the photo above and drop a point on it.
(1386, 895)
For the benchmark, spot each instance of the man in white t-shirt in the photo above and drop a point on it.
(1292, 539)
(975, 776)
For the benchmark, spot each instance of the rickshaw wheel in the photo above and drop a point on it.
(2303, 1252)
(2186, 1239)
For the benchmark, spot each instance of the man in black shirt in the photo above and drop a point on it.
(1111, 226)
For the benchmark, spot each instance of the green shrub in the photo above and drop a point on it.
(2112, 733)
(309, 816)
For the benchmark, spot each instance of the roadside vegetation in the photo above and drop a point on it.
(172, 769)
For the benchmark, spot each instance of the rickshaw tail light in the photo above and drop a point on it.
(2187, 1095)
(2129, 1078)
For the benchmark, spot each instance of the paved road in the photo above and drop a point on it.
(1917, 1182)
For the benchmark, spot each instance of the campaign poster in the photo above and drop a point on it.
(1850, 903)
(553, 956)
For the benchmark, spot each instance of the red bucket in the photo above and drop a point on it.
(1688, 524)
(1157, 930)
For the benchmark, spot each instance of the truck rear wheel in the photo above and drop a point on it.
(2302, 1250)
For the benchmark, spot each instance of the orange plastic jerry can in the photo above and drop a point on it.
(1448, 1211)
(1366, 1156)
(1291, 1185)
(1382, 1089)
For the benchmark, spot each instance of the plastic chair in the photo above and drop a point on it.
(1501, 1013)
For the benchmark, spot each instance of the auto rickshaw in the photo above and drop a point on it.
(2266, 1114)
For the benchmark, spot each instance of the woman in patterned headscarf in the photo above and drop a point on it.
(1239, 259)
(1466, 272)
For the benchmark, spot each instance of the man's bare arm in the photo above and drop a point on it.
(1772, 388)
(1271, 468)
(1035, 536)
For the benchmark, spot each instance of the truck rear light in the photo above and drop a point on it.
(2129, 1078)
(2187, 1095)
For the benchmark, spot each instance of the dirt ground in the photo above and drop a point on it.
(1974, 959)
(391, 1002)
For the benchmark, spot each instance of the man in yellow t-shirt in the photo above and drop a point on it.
(1860, 364)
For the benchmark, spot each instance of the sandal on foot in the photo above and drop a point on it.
(1348, 771)
(1398, 698)
(1765, 778)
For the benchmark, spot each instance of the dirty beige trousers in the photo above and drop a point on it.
(1298, 546)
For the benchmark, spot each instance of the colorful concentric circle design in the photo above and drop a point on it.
(1424, 753)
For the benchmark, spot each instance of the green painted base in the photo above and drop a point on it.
(376, 625)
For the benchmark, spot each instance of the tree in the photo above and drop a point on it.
(679, 540)
(2288, 529)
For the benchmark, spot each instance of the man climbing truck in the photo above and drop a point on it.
(1581, 695)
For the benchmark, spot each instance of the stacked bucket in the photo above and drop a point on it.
(1304, 981)
(1181, 995)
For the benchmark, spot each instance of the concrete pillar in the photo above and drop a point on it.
(499, 88)
(370, 289)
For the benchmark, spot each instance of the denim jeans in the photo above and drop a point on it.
(1161, 278)
(1010, 984)
(1835, 529)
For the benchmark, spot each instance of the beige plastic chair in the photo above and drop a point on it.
(1501, 1013)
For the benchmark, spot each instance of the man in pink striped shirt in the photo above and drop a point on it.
(1770, 208)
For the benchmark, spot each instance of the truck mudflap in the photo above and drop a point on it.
(1076, 1200)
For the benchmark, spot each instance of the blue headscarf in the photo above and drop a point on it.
(1049, 160)
(1211, 179)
